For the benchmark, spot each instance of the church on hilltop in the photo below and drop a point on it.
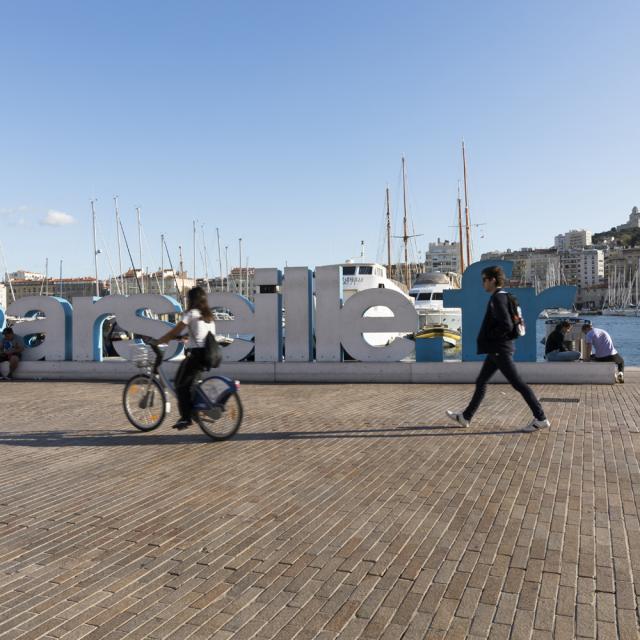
(634, 220)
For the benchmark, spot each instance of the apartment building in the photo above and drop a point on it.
(591, 267)
(574, 239)
(443, 256)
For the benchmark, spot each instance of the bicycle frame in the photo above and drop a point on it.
(201, 398)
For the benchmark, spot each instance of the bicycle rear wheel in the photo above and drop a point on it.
(144, 402)
(222, 418)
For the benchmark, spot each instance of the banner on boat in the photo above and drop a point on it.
(297, 315)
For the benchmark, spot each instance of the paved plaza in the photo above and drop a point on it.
(338, 511)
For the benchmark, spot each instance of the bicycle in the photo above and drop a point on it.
(217, 407)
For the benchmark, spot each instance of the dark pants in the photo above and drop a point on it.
(504, 363)
(617, 358)
(189, 370)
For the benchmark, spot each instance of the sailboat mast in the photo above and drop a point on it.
(240, 253)
(121, 274)
(460, 236)
(43, 280)
(195, 280)
(46, 276)
(637, 278)
(219, 257)
(181, 272)
(466, 205)
(206, 260)
(162, 263)
(6, 271)
(405, 232)
(226, 264)
(95, 245)
(389, 275)
(140, 249)
(175, 277)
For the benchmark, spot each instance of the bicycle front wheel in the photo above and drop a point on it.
(222, 418)
(144, 402)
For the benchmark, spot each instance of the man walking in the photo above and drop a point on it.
(601, 349)
(494, 340)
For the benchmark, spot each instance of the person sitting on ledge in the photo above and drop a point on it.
(555, 349)
(601, 348)
(11, 350)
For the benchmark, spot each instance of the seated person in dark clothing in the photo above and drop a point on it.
(11, 350)
(555, 349)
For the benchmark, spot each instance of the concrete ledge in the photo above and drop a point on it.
(531, 372)
(117, 369)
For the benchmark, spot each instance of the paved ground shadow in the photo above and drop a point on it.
(85, 438)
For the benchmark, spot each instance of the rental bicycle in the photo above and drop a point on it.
(216, 407)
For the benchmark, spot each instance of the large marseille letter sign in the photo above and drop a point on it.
(472, 299)
(323, 322)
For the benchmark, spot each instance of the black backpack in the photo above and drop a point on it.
(515, 312)
(212, 352)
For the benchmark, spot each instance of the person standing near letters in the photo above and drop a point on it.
(494, 340)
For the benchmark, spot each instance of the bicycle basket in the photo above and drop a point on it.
(142, 356)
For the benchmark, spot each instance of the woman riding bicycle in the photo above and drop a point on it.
(198, 320)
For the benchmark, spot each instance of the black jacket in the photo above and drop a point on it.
(554, 342)
(496, 326)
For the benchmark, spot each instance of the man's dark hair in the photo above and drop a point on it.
(7, 331)
(586, 327)
(494, 273)
(564, 324)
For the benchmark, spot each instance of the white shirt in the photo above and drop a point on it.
(602, 343)
(197, 328)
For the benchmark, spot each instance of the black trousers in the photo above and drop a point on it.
(188, 371)
(617, 358)
(504, 363)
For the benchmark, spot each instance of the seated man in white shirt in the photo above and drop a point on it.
(602, 349)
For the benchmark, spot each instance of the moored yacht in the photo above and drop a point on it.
(427, 294)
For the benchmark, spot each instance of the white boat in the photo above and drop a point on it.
(622, 311)
(427, 295)
(556, 313)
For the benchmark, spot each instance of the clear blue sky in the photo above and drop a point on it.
(282, 122)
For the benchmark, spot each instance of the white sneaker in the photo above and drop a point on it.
(538, 425)
(620, 377)
(459, 418)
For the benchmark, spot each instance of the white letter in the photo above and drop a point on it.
(298, 307)
(353, 324)
(268, 315)
(90, 313)
(328, 305)
(242, 324)
(56, 326)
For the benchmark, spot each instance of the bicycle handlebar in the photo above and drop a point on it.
(152, 343)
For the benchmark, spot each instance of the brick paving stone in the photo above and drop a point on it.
(351, 511)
